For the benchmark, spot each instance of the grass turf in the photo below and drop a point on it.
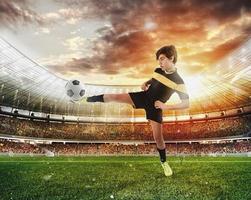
(124, 178)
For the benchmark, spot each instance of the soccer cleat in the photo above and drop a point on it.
(83, 100)
(167, 169)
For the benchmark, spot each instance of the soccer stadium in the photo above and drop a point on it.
(53, 148)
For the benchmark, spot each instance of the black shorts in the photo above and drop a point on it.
(142, 100)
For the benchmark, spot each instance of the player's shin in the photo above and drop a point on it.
(162, 154)
(98, 98)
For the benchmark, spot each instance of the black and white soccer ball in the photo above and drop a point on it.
(75, 90)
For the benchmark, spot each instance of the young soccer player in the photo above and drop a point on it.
(156, 91)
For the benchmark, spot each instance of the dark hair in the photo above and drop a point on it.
(168, 51)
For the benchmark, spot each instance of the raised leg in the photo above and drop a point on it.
(120, 98)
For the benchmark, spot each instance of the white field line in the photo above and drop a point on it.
(104, 161)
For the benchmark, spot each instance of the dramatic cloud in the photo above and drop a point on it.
(202, 31)
(17, 12)
(129, 43)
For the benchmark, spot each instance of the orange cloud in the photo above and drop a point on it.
(202, 31)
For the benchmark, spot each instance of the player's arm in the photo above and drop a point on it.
(182, 105)
(146, 85)
(184, 98)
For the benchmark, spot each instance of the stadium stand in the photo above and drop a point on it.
(34, 104)
(205, 128)
(194, 148)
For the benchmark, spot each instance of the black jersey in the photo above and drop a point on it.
(160, 91)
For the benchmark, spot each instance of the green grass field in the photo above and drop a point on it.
(124, 178)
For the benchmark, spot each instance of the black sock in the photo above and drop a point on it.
(99, 98)
(162, 154)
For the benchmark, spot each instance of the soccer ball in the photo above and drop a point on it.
(75, 90)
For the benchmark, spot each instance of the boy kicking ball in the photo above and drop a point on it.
(156, 91)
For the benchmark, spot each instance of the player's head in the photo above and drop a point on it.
(167, 56)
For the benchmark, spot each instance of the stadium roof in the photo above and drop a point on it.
(27, 85)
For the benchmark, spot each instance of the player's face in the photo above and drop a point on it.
(164, 62)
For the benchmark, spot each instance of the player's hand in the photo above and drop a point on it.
(159, 105)
(145, 86)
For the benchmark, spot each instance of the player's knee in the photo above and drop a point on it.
(116, 97)
(121, 98)
(110, 97)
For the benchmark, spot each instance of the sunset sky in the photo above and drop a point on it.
(114, 41)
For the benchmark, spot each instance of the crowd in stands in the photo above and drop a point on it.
(18, 147)
(125, 131)
(11, 147)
